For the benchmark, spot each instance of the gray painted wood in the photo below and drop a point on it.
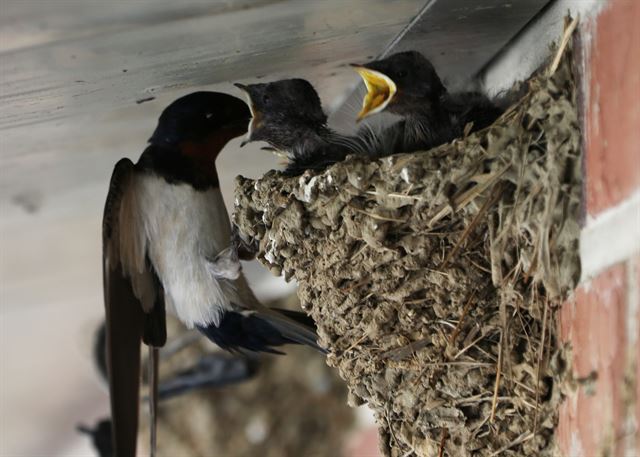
(76, 64)
(460, 37)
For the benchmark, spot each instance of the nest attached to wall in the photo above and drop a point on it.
(433, 277)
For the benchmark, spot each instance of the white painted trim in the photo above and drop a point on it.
(611, 237)
(525, 54)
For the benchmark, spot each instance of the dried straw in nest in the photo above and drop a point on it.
(433, 276)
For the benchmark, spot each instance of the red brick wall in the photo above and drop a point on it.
(594, 322)
(601, 320)
(613, 111)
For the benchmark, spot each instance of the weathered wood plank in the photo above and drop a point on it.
(121, 58)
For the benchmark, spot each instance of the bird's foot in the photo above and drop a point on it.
(226, 265)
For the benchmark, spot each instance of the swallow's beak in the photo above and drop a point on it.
(380, 91)
(255, 114)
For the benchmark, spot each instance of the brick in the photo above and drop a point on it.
(613, 113)
(593, 322)
(634, 297)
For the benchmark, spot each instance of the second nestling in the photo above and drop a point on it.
(408, 85)
(288, 115)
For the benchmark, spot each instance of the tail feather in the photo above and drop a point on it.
(262, 331)
(301, 318)
(154, 361)
(295, 326)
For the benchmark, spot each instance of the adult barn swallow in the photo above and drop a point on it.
(166, 236)
(408, 85)
(288, 115)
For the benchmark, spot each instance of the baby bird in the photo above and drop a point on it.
(288, 115)
(408, 85)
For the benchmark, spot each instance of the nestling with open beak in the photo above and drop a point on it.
(288, 115)
(407, 84)
(166, 241)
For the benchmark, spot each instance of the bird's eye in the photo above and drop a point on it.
(208, 115)
(266, 98)
(401, 73)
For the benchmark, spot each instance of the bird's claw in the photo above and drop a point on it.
(226, 265)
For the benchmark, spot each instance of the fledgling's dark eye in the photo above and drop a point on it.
(266, 98)
(401, 73)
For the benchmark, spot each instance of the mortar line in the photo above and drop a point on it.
(611, 237)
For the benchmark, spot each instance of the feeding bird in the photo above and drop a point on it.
(166, 242)
(288, 115)
(408, 85)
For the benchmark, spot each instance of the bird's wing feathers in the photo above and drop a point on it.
(130, 289)
(289, 326)
(124, 317)
(472, 107)
(127, 244)
(293, 325)
(260, 331)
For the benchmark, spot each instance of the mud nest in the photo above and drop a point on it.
(434, 277)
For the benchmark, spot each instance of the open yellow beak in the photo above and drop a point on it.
(380, 91)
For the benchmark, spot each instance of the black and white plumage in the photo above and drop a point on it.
(288, 115)
(407, 84)
(166, 243)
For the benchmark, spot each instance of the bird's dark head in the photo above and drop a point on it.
(201, 117)
(401, 83)
(279, 109)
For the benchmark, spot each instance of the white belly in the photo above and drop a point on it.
(184, 229)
